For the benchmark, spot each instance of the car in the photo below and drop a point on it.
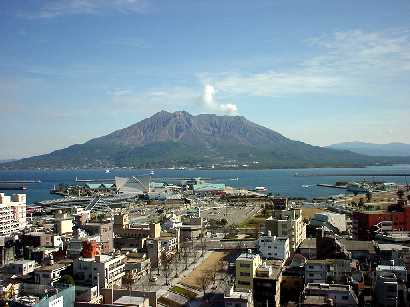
(153, 278)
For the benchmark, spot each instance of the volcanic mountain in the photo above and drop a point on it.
(181, 139)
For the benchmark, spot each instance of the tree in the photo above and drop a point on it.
(400, 194)
(203, 243)
(185, 251)
(361, 202)
(166, 261)
(67, 280)
(205, 280)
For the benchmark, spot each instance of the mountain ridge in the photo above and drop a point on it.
(181, 139)
(373, 149)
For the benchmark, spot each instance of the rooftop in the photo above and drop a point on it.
(332, 287)
(247, 256)
(129, 300)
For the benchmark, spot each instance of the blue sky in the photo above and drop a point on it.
(317, 71)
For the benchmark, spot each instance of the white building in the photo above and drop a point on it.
(272, 247)
(108, 270)
(50, 274)
(334, 221)
(22, 267)
(12, 213)
(341, 295)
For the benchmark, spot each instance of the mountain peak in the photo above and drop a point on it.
(167, 139)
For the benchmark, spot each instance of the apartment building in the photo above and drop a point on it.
(12, 213)
(246, 265)
(266, 285)
(287, 223)
(103, 270)
(327, 270)
(272, 247)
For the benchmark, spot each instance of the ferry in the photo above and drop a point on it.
(107, 171)
(261, 189)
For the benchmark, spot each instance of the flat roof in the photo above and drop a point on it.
(129, 300)
(247, 256)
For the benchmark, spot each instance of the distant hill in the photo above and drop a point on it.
(181, 139)
(391, 149)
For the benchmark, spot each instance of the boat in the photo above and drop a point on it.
(234, 179)
(107, 171)
(261, 189)
(306, 185)
(152, 172)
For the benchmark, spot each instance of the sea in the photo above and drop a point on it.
(285, 182)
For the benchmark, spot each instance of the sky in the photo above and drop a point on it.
(321, 72)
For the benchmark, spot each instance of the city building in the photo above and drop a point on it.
(234, 298)
(51, 274)
(64, 223)
(22, 267)
(102, 270)
(386, 290)
(327, 270)
(272, 247)
(105, 231)
(341, 295)
(159, 247)
(366, 223)
(287, 223)
(266, 285)
(246, 265)
(12, 213)
(336, 222)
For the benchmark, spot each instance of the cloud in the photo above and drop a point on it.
(352, 62)
(55, 8)
(210, 103)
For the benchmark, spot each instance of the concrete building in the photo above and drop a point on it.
(237, 298)
(108, 270)
(105, 231)
(246, 265)
(64, 223)
(386, 290)
(51, 274)
(287, 223)
(266, 285)
(366, 222)
(341, 295)
(12, 213)
(272, 247)
(336, 222)
(37, 238)
(158, 247)
(327, 270)
(22, 267)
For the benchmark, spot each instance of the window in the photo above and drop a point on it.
(245, 265)
(245, 274)
(345, 297)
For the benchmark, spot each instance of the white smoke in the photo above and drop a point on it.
(209, 102)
